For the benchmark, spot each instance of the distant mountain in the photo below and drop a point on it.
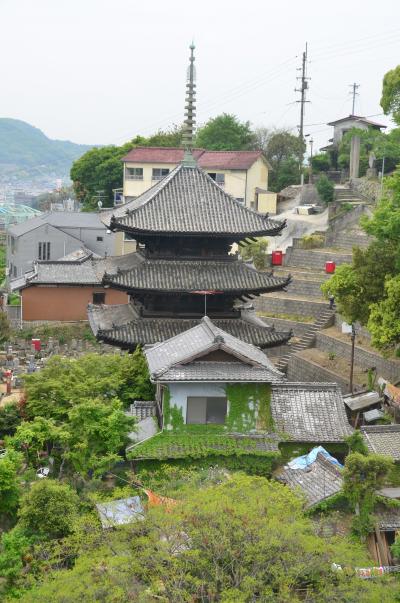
(25, 150)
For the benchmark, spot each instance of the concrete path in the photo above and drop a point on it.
(297, 226)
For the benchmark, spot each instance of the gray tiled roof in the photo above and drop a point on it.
(194, 275)
(200, 340)
(121, 325)
(85, 270)
(319, 481)
(59, 219)
(388, 518)
(312, 412)
(383, 439)
(189, 201)
(220, 371)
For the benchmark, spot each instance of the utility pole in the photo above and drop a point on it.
(354, 93)
(311, 141)
(303, 88)
(353, 340)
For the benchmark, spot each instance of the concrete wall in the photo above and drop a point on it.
(180, 391)
(299, 328)
(90, 236)
(389, 369)
(314, 259)
(134, 188)
(123, 246)
(302, 369)
(63, 303)
(286, 305)
(24, 251)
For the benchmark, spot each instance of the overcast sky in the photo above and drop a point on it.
(102, 71)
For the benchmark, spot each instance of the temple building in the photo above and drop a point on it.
(185, 226)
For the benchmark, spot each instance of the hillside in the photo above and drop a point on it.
(24, 150)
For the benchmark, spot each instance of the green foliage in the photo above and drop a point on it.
(10, 465)
(390, 100)
(362, 476)
(64, 382)
(14, 546)
(225, 133)
(10, 418)
(63, 333)
(321, 162)
(372, 141)
(384, 318)
(312, 241)
(284, 152)
(256, 251)
(325, 188)
(48, 509)
(356, 443)
(5, 327)
(14, 299)
(2, 264)
(356, 286)
(249, 407)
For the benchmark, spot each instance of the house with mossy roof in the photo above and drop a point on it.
(219, 396)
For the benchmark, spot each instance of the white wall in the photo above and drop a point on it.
(180, 391)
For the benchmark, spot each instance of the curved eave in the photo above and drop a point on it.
(116, 225)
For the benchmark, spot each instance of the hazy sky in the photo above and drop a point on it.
(102, 71)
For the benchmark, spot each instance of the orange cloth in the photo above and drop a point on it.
(155, 500)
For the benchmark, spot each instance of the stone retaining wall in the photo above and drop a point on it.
(299, 328)
(286, 305)
(305, 288)
(302, 369)
(389, 369)
(308, 258)
(359, 329)
(370, 190)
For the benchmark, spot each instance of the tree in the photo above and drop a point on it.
(255, 251)
(10, 418)
(225, 133)
(372, 141)
(363, 475)
(10, 465)
(48, 509)
(384, 318)
(390, 100)
(325, 188)
(14, 546)
(321, 162)
(357, 286)
(5, 327)
(284, 152)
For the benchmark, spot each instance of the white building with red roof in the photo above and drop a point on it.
(242, 174)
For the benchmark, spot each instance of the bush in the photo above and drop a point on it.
(320, 163)
(312, 241)
(5, 327)
(48, 509)
(325, 188)
(255, 251)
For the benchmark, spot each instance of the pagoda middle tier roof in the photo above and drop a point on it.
(189, 202)
(121, 325)
(193, 275)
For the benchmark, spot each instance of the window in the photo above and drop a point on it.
(14, 271)
(159, 173)
(205, 410)
(134, 173)
(99, 238)
(240, 199)
(44, 251)
(128, 237)
(219, 178)
(99, 298)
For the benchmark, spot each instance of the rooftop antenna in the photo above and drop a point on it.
(190, 112)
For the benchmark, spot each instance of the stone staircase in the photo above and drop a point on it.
(324, 320)
(347, 195)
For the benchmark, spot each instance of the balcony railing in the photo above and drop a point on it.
(134, 177)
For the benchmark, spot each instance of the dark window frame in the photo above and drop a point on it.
(98, 298)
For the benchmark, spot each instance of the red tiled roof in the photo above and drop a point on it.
(158, 155)
(233, 160)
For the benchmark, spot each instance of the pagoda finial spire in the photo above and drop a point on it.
(190, 112)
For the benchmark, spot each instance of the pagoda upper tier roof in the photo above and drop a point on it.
(189, 202)
(121, 325)
(193, 275)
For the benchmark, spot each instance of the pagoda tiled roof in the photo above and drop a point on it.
(189, 202)
(121, 325)
(193, 275)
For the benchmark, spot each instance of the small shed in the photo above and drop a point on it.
(120, 512)
(383, 439)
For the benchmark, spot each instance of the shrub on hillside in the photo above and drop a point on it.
(325, 188)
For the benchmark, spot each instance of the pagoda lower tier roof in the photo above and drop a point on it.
(189, 202)
(193, 275)
(122, 326)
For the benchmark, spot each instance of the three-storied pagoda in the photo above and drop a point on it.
(185, 226)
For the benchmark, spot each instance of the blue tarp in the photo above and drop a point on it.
(302, 462)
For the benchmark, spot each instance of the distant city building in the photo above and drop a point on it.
(242, 174)
(54, 235)
(12, 213)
